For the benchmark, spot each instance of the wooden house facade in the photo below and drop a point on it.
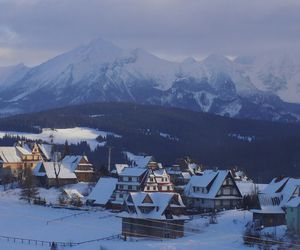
(214, 190)
(154, 215)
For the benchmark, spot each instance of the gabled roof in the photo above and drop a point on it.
(24, 150)
(139, 161)
(72, 193)
(205, 179)
(135, 172)
(274, 186)
(47, 169)
(160, 202)
(159, 172)
(119, 168)
(295, 202)
(46, 150)
(10, 155)
(72, 161)
(212, 180)
(278, 193)
(103, 190)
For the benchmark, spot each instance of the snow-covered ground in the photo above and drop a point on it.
(20, 219)
(72, 135)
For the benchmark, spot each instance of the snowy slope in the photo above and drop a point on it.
(20, 219)
(72, 135)
(101, 71)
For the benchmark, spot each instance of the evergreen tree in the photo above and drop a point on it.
(29, 190)
(66, 150)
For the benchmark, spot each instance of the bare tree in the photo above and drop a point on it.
(29, 190)
(57, 166)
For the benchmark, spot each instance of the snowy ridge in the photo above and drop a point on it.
(100, 71)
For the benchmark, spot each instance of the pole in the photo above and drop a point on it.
(109, 158)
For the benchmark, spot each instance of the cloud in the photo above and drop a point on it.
(172, 28)
(7, 35)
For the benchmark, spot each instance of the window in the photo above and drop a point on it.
(129, 187)
(226, 191)
(129, 178)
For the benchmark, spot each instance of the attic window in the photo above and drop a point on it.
(147, 199)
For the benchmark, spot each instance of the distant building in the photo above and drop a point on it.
(213, 190)
(19, 157)
(102, 193)
(139, 161)
(130, 179)
(273, 200)
(156, 215)
(80, 165)
(158, 181)
(45, 173)
(293, 215)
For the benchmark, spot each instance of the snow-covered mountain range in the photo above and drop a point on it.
(247, 87)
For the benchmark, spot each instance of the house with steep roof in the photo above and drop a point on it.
(158, 181)
(45, 173)
(156, 215)
(273, 201)
(102, 193)
(18, 157)
(80, 165)
(130, 179)
(213, 190)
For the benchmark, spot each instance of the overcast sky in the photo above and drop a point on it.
(32, 31)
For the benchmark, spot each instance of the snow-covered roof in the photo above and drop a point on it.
(133, 171)
(139, 161)
(159, 172)
(119, 168)
(65, 172)
(10, 155)
(46, 150)
(103, 190)
(203, 180)
(295, 202)
(210, 179)
(278, 193)
(159, 202)
(72, 161)
(186, 175)
(248, 187)
(72, 193)
(275, 185)
(24, 149)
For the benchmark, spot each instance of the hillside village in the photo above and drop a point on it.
(153, 201)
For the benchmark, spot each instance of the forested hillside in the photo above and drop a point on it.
(263, 149)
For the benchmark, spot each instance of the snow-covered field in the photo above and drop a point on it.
(20, 219)
(72, 135)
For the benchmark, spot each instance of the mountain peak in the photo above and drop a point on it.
(189, 60)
